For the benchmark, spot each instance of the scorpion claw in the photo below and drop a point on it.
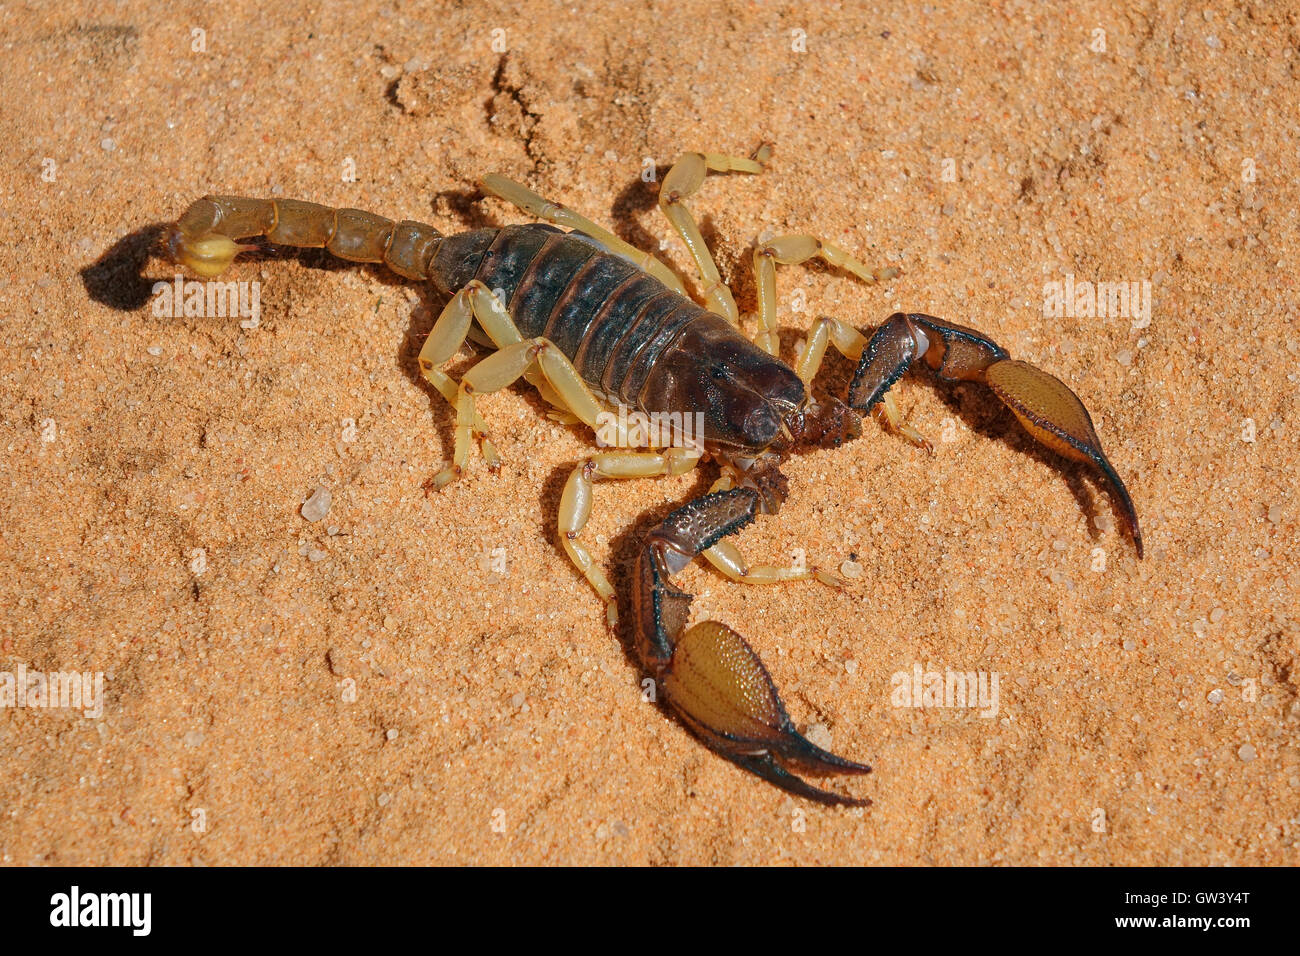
(719, 686)
(1043, 404)
(708, 673)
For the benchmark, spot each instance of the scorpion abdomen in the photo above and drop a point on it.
(609, 317)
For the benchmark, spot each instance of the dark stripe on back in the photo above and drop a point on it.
(546, 281)
(656, 340)
(512, 253)
(592, 289)
(458, 258)
(619, 314)
(623, 348)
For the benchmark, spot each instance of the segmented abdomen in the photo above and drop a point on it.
(610, 318)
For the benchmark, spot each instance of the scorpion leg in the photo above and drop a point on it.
(728, 559)
(708, 673)
(447, 336)
(558, 215)
(683, 180)
(501, 369)
(575, 504)
(792, 250)
(1045, 405)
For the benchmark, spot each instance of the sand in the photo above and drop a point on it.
(423, 678)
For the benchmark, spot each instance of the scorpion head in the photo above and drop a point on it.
(744, 394)
(751, 401)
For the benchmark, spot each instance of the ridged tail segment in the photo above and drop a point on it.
(205, 237)
(609, 317)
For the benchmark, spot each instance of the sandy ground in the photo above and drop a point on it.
(424, 679)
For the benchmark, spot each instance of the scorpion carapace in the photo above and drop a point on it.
(594, 323)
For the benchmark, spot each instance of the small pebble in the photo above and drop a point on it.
(156, 350)
(1216, 615)
(318, 505)
(392, 733)
(194, 738)
(1246, 752)
(1275, 514)
(820, 735)
(383, 799)
(851, 569)
(1124, 357)
(1215, 696)
(517, 700)
(107, 144)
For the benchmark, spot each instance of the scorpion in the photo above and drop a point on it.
(591, 321)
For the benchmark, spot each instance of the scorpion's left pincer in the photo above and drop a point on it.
(708, 673)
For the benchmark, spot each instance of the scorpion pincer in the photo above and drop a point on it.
(593, 322)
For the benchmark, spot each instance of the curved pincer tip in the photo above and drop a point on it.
(721, 689)
(1054, 415)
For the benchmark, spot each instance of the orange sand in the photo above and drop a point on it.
(495, 718)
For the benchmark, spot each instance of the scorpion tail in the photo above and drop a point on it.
(708, 673)
(204, 238)
(1044, 405)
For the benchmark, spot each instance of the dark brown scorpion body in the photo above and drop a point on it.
(592, 323)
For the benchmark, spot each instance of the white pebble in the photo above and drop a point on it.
(392, 733)
(318, 505)
(1246, 752)
(820, 735)
(851, 569)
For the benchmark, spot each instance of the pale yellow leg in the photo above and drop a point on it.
(685, 179)
(446, 337)
(575, 504)
(791, 250)
(847, 340)
(558, 215)
(502, 368)
(726, 557)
